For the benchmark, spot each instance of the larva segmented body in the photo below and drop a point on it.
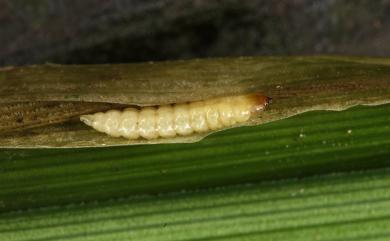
(177, 119)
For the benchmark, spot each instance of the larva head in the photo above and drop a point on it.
(259, 102)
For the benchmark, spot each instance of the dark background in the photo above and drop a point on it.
(112, 31)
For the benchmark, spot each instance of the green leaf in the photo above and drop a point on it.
(335, 207)
(273, 181)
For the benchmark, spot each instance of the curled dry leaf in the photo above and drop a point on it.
(40, 105)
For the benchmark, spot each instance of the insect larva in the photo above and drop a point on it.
(177, 119)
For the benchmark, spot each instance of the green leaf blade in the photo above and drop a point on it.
(333, 207)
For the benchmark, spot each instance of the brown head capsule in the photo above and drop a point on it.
(178, 119)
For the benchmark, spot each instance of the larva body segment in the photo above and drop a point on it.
(129, 123)
(178, 119)
(182, 119)
(147, 127)
(165, 121)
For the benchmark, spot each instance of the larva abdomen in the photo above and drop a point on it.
(177, 119)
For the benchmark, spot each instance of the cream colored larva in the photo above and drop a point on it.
(167, 121)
